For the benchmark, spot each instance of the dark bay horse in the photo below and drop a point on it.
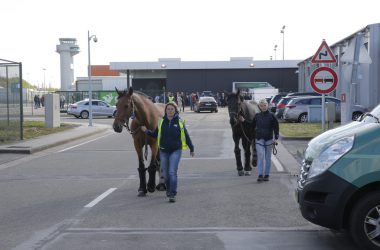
(242, 131)
(145, 113)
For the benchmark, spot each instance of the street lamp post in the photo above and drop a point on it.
(275, 49)
(283, 42)
(95, 39)
(44, 86)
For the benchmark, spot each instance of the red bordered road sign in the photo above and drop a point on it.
(324, 80)
(323, 54)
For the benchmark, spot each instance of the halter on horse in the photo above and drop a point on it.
(238, 107)
(144, 112)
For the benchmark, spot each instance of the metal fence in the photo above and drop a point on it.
(109, 96)
(11, 112)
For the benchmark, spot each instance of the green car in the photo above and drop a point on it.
(339, 182)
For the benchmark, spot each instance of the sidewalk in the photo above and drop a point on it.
(38, 144)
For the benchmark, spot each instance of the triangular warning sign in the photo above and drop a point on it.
(324, 54)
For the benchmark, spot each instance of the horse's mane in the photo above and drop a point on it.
(142, 94)
(146, 109)
(250, 109)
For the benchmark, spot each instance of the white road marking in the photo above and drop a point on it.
(100, 197)
(63, 150)
(277, 164)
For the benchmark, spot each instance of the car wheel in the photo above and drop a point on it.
(302, 118)
(356, 115)
(216, 111)
(84, 114)
(364, 224)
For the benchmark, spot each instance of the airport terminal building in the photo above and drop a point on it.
(217, 76)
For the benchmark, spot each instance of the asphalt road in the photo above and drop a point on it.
(83, 195)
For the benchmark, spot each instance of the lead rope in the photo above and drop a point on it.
(274, 149)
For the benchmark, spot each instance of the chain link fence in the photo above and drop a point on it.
(11, 112)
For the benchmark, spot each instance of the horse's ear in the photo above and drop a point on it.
(130, 91)
(119, 93)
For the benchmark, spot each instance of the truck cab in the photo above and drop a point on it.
(339, 182)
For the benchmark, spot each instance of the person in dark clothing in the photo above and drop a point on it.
(266, 127)
(172, 138)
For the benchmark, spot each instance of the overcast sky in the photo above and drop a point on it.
(196, 30)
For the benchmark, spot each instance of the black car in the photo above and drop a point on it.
(206, 103)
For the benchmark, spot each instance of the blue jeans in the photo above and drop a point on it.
(169, 168)
(264, 153)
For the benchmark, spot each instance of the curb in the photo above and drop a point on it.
(296, 138)
(30, 150)
(289, 138)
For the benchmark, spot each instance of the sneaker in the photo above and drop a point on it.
(247, 173)
(260, 178)
(172, 199)
(266, 178)
(240, 172)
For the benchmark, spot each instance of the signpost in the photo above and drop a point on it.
(323, 80)
(323, 54)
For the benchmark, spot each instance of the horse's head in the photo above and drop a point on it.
(124, 109)
(234, 102)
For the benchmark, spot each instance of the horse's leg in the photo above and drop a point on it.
(142, 175)
(239, 165)
(254, 153)
(247, 156)
(152, 168)
(161, 184)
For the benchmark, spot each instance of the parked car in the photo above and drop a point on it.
(297, 108)
(273, 102)
(338, 185)
(206, 103)
(99, 108)
(280, 107)
(303, 94)
(207, 93)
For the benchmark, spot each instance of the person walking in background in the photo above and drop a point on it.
(157, 99)
(183, 96)
(62, 101)
(179, 102)
(266, 127)
(172, 138)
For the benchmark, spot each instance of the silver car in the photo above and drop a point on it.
(99, 108)
(296, 109)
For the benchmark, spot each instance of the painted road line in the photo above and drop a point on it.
(100, 197)
(277, 164)
(63, 150)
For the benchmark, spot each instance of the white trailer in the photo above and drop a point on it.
(258, 90)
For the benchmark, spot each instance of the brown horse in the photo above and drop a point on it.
(144, 113)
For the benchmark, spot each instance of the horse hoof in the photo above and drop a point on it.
(141, 194)
(161, 187)
(151, 189)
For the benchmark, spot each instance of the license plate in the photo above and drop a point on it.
(208, 104)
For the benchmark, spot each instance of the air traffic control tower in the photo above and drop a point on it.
(67, 49)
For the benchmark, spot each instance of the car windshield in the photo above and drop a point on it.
(207, 99)
(373, 116)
